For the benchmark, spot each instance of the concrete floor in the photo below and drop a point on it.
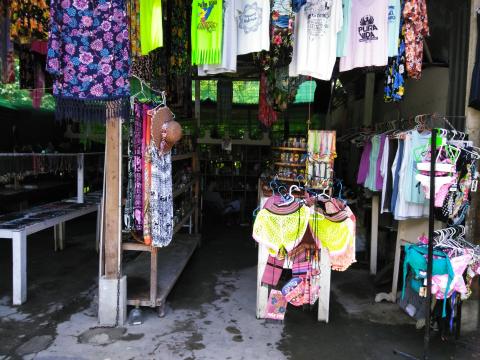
(210, 313)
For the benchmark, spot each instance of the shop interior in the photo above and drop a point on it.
(283, 229)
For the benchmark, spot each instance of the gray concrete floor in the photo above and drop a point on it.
(210, 313)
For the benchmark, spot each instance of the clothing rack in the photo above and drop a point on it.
(431, 234)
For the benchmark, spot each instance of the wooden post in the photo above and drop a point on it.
(197, 103)
(112, 196)
(368, 99)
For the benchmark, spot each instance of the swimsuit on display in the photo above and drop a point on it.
(337, 237)
(280, 231)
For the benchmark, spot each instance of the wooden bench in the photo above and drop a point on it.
(18, 225)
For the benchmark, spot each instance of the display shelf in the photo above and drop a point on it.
(183, 221)
(182, 156)
(289, 164)
(233, 175)
(289, 149)
(290, 180)
(167, 262)
(187, 187)
(150, 280)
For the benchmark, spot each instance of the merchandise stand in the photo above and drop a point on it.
(263, 290)
(431, 229)
(152, 275)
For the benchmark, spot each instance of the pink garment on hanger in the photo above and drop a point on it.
(439, 282)
(364, 163)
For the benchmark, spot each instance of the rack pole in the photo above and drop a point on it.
(80, 178)
(431, 224)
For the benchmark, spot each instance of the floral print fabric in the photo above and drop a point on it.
(416, 28)
(133, 13)
(88, 52)
(395, 72)
(179, 62)
(277, 88)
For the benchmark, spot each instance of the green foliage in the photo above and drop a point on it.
(13, 97)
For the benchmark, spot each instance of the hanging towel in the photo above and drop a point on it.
(151, 28)
(206, 32)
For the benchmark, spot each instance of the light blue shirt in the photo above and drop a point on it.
(343, 34)
(393, 26)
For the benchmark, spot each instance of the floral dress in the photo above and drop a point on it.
(416, 28)
(395, 72)
(279, 89)
(88, 56)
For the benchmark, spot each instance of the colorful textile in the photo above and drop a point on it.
(206, 31)
(439, 282)
(273, 271)
(161, 197)
(276, 306)
(137, 168)
(415, 259)
(88, 55)
(293, 291)
(281, 37)
(266, 114)
(336, 237)
(29, 20)
(151, 28)
(133, 14)
(128, 213)
(416, 28)
(179, 62)
(7, 74)
(280, 231)
(147, 176)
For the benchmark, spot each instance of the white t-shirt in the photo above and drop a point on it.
(253, 22)
(316, 27)
(393, 26)
(229, 44)
(367, 44)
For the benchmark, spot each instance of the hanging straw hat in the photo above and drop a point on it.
(166, 132)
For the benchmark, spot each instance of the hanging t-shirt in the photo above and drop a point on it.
(343, 34)
(229, 48)
(253, 22)
(367, 44)
(393, 26)
(206, 31)
(316, 28)
(151, 28)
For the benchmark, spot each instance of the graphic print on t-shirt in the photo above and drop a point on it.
(391, 13)
(318, 17)
(367, 29)
(206, 8)
(250, 19)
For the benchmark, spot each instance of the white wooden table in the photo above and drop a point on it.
(18, 225)
(262, 290)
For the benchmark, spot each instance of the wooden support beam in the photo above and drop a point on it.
(368, 99)
(113, 197)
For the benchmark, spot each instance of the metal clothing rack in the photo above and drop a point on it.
(431, 234)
